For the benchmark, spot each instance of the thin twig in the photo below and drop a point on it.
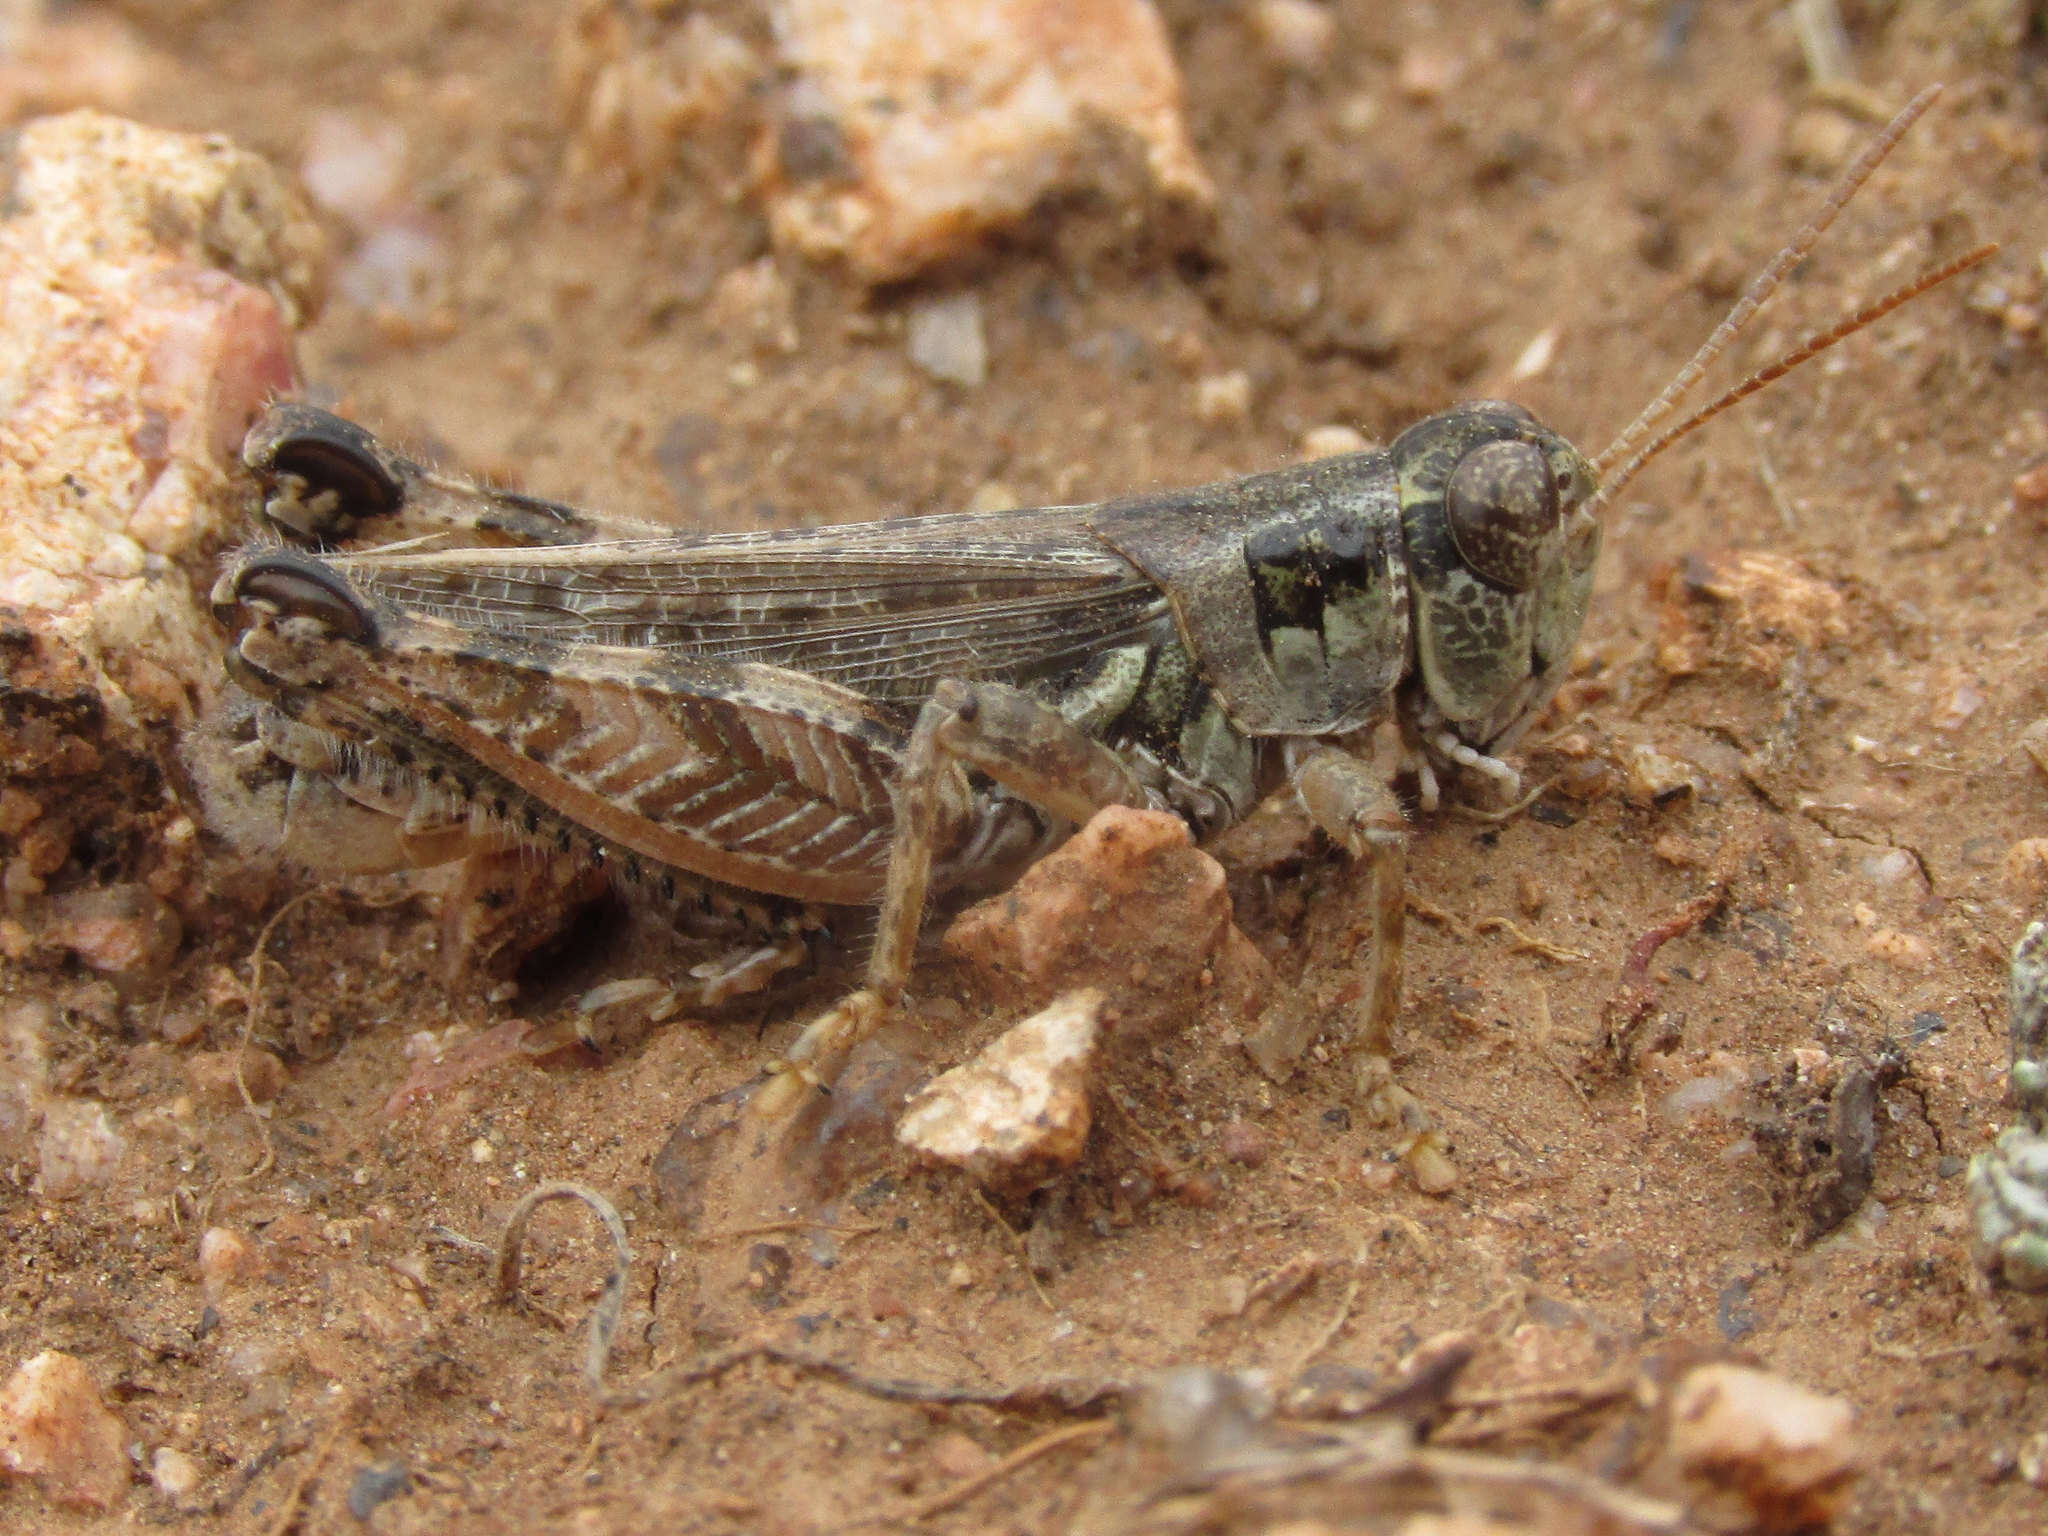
(1016, 1241)
(288, 1512)
(1052, 1440)
(611, 1301)
(252, 1010)
(1328, 1331)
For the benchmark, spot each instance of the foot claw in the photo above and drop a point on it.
(1425, 1152)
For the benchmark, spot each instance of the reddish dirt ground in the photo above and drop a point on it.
(1602, 174)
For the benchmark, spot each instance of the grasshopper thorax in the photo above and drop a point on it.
(1500, 536)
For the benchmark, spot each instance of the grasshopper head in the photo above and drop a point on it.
(285, 611)
(1498, 524)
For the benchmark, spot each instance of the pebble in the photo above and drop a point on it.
(945, 339)
(1331, 439)
(211, 1076)
(1889, 868)
(1017, 1114)
(1900, 950)
(959, 117)
(228, 1260)
(955, 1456)
(1819, 141)
(1243, 1142)
(378, 1483)
(1224, 399)
(174, 1473)
(1699, 1095)
(1427, 74)
(56, 1428)
(2025, 868)
(353, 168)
(2030, 489)
(1297, 34)
(118, 930)
(2034, 742)
(1787, 1451)
(1953, 708)
(757, 304)
(78, 1148)
(1128, 904)
(401, 270)
(1655, 777)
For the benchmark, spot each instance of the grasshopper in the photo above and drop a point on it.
(877, 715)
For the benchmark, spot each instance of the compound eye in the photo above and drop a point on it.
(1502, 505)
(299, 589)
(328, 471)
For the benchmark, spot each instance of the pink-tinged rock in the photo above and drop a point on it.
(78, 1147)
(228, 1260)
(55, 1428)
(1017, 1114)
(1785, 1452)
(125, 931)
(913, 128)
(147, 285)
(1128, 905)
(149, 282)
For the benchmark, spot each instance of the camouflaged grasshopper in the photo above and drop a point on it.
(875, 714)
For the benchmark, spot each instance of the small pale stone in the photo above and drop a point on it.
(755, 302)
(1955, 704)
(2030, 489)
(1224, 399)
(56, 1428)
(213, 1077)
(228, 1259)
(2034, 742)
(946, 340)
(1788, 1451)
(994, 496)
(1655, 777)
(1820, 141)
(1245, 1143)
(1017, 1114)
(954, 1455)
(1296, 33)
(1331, 439)
(119, 930)
(912, 132)
(354, 166)
(78, 1148)
(1903, 951)
(174, 1473)
(2026, 867)
(1427, 74)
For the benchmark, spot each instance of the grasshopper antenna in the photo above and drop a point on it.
(1806, 351)
(1625, 450)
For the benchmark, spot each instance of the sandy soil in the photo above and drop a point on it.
(1603, 175)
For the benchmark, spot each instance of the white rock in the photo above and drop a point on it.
(1017, 1114)
(1297, 33)
(78, 1147)
(946, 339)
(947, 119)
(1224, 399)
(55, 1428)
(1328, 441)
(174, 1473)
(1786, 1451)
